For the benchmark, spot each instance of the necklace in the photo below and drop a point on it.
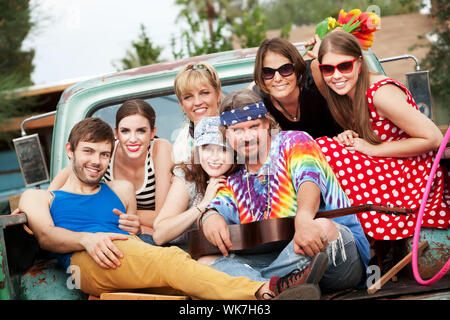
(268, 208)
(297, 111)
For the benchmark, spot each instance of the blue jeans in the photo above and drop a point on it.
(147, 238)
(345, 268)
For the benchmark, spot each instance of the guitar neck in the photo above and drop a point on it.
(271, 231)
(361, 208)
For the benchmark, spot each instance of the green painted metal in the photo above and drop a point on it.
(436, 255)
(5, 281)
(8, 284)
(48, 281)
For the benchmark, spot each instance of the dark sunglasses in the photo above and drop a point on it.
(285, 70)
(343, 67)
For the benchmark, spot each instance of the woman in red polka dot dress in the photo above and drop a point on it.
(386, 153)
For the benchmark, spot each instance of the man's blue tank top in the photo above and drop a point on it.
(86, 213)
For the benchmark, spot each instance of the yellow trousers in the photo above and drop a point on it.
(145, 266)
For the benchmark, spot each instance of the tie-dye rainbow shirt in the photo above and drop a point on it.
(294, 158)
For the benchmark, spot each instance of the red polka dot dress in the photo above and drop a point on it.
(390, 181)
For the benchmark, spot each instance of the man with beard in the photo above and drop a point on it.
(284, 174)
(78, 224)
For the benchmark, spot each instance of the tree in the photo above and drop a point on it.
(437, 60)
(144, 53)
(207, 24)
(304, 12)
(214, 23)
(16, 64)
(251, 29)
(15, 24)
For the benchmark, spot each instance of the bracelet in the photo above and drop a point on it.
(199, 210)
(199, 218)
(207, 215)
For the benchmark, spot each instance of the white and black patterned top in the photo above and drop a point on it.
(145, 195)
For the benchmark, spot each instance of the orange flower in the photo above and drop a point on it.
(346, 17)
(361, 25)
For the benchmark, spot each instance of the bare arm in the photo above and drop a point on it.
(129, 220)
(390, 102)
(60, 179)
(36, 204)
(217, 232)
(175, 217)
(163, 171)
(146, 220)
(307, 231)
(317, 76)
(162, 160)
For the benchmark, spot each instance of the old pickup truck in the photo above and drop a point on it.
(27, 272)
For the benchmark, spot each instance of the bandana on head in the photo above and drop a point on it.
(246, 113)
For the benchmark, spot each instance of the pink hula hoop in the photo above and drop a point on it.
(446, 267)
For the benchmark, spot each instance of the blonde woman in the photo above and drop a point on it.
(198, 89)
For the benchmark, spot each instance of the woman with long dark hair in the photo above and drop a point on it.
(291, 89)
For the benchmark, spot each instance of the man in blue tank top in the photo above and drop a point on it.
(81, 224)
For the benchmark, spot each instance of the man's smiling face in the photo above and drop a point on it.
(90, 160)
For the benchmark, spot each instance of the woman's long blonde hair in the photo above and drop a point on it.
(350, 116)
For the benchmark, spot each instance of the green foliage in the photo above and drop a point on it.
(304, 12)
(299, 12)
(251, 30)
(15, 24)
(11, 104)
(207, 28)
(198, 41)
(144, 53)
(437, 60)
(213, 23)
(286, 31)
(16, 65)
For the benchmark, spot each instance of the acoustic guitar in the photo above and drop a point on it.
(271, 234)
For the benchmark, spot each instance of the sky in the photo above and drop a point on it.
(77, 39)
(81, 38)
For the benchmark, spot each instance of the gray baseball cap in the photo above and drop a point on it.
(207, 132)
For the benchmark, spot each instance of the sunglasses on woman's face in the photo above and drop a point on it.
(343, 67)
(285, 70)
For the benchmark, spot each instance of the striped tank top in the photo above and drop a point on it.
(145, 195)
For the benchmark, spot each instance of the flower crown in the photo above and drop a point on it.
(361, 24)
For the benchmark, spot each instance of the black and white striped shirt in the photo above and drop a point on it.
(145, 195)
